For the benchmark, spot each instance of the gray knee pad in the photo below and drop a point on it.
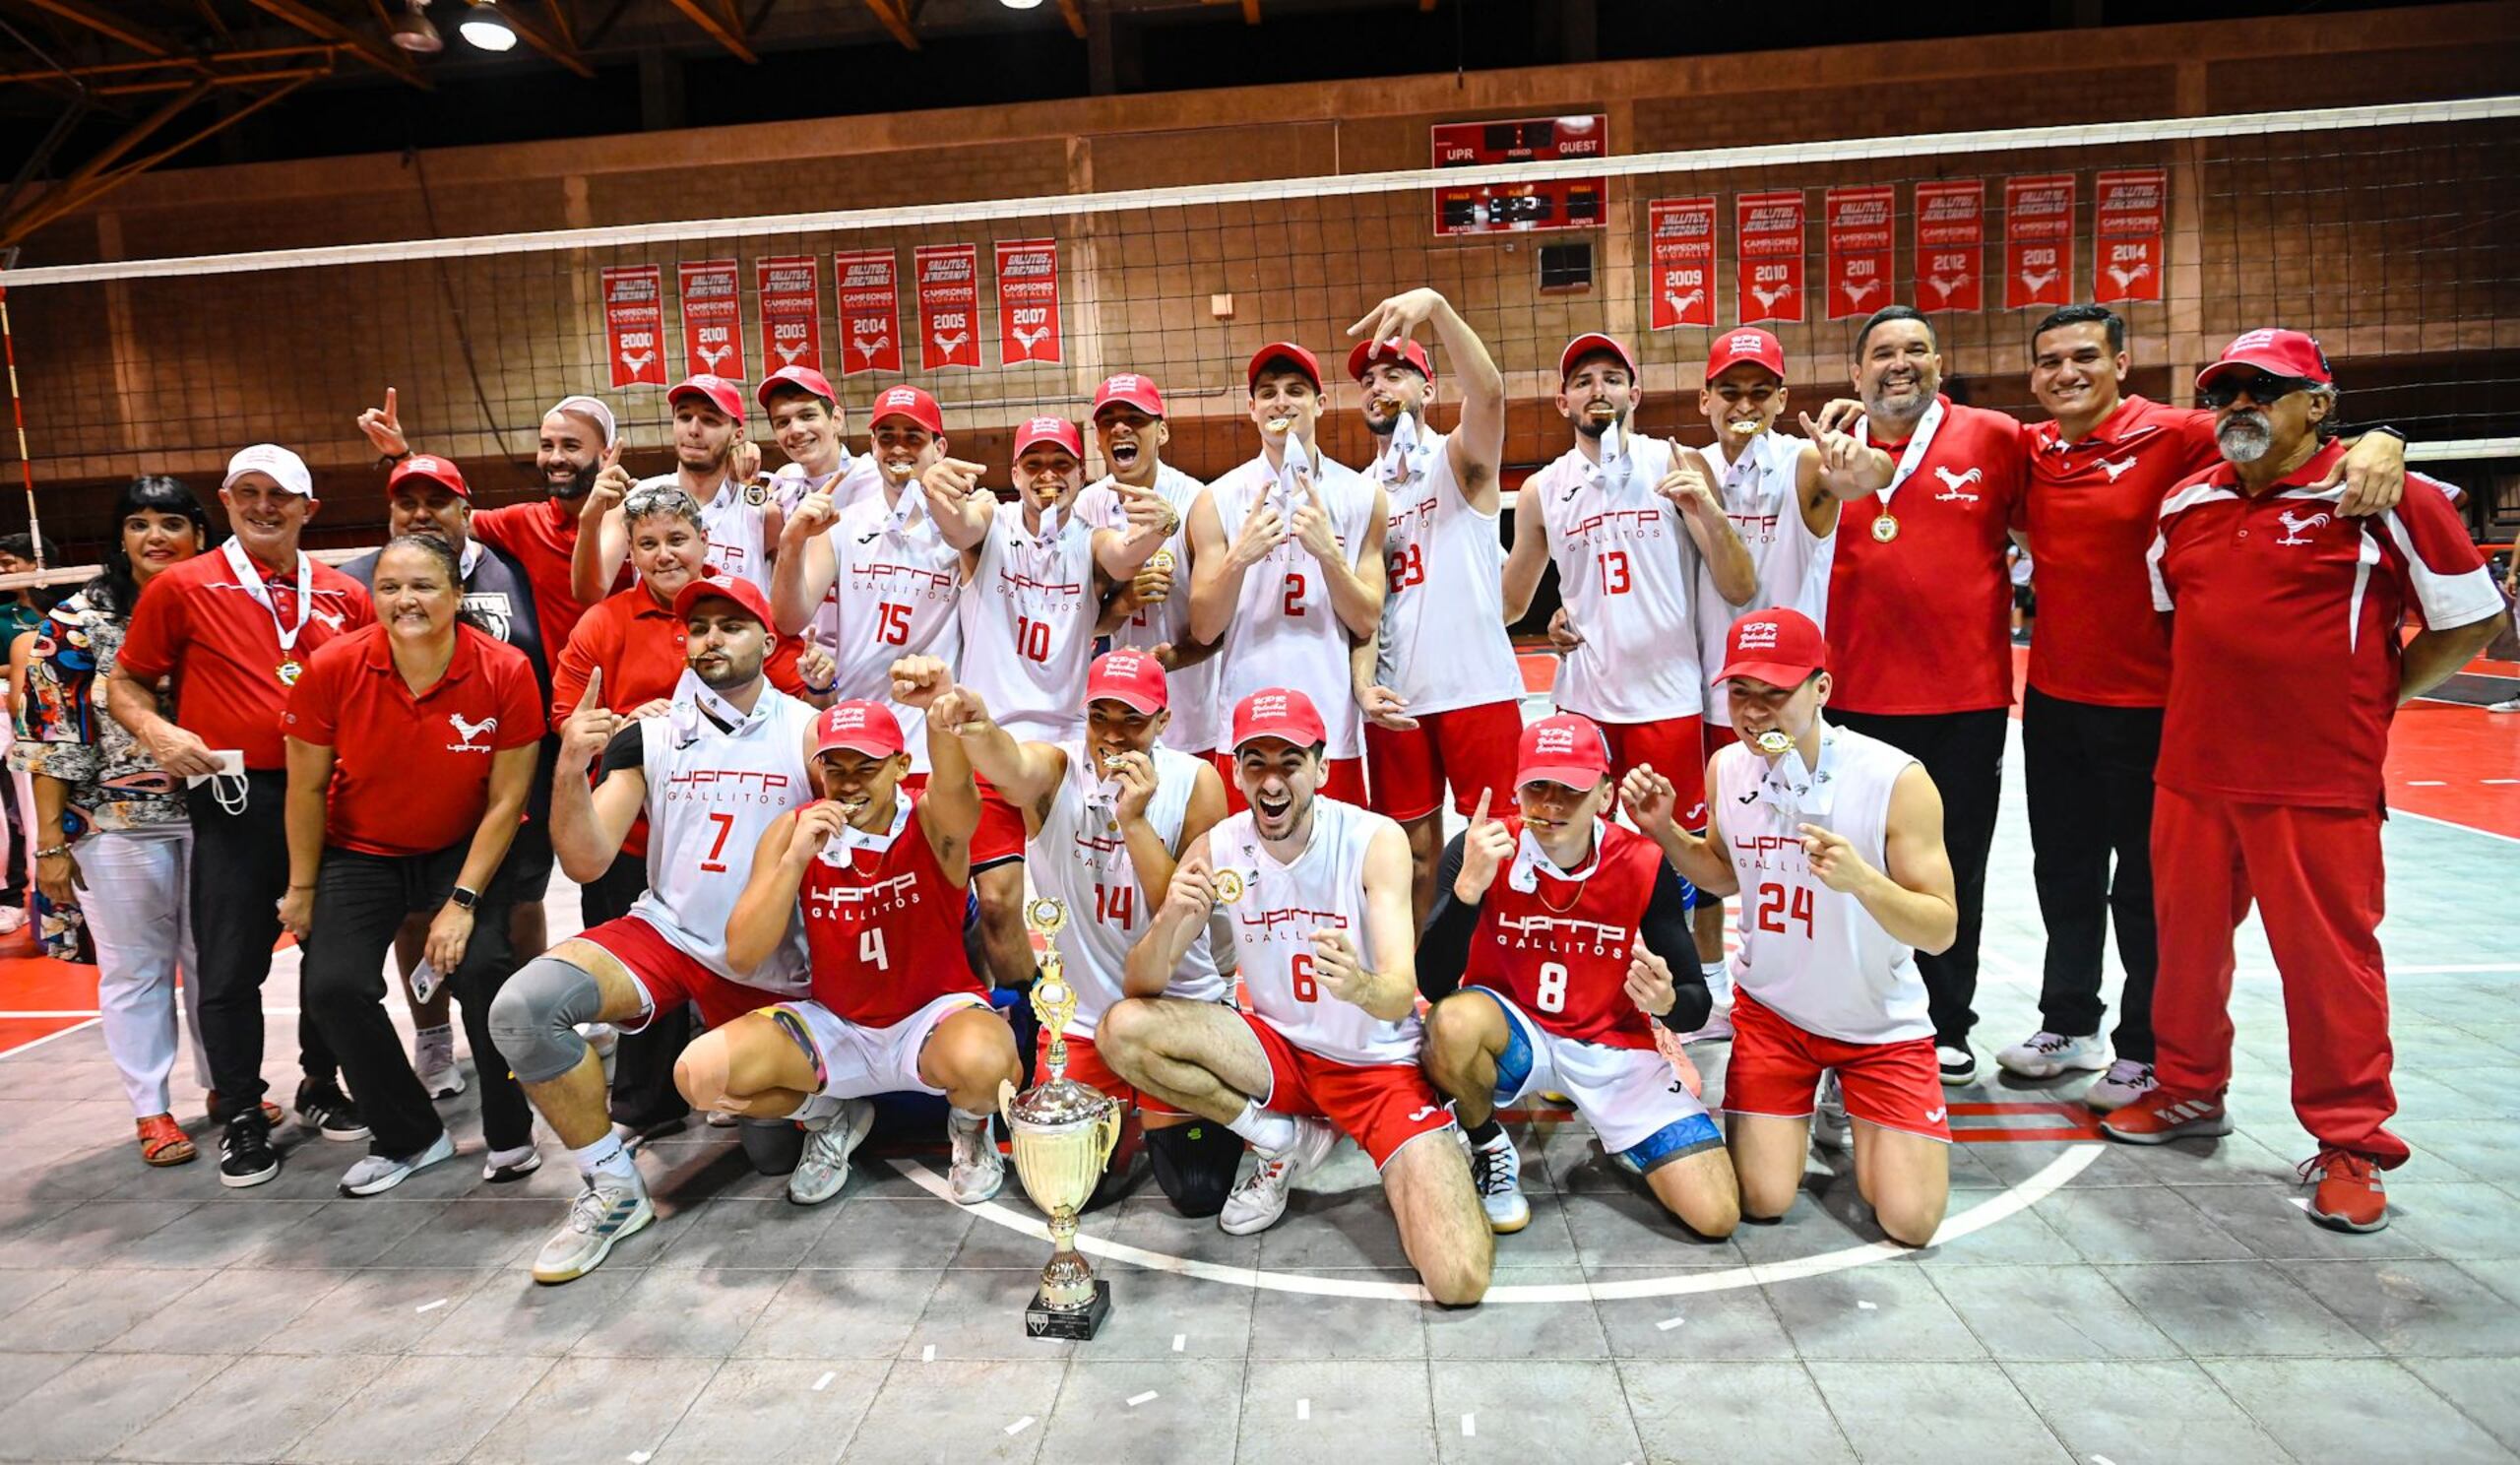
(1194, 1164)
(534, 1018)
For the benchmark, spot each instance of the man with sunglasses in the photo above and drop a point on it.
(2296, 608)
(2091, 718)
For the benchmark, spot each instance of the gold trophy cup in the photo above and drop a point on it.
(1062, 1135)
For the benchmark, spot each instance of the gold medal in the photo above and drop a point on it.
(1229, 886)
(1772, 742)
(1884, 528)
(1161, 560)
(289, 671)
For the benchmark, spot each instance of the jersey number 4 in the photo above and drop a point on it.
(1774, 910)
(870, 949)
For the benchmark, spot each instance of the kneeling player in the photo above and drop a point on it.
(1833, 841)
(1104, 818)
(1560, 984)
(895, 1005)
(1316, 892)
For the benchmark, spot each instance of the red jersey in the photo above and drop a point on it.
(2092, 511)
(2284, 645)
(542, 535)
(884, 932)
(411, 774)
(1561, 949)
(207, 630)
(1922, 622)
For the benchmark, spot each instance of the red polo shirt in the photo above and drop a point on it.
(640, 645)
(411, 773)
(2284, 645)
(2092, 511)
(198, 624)
(542, 535)
(1922, 624)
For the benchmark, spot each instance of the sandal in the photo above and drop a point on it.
(163, 1142)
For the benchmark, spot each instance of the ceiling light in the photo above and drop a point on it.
(413, 33)
(1021, 4)
(486, 27)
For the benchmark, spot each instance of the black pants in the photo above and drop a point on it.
(2089, 770)
(240, 870)
(360, 901)
(644, 1095)
(1964, 754)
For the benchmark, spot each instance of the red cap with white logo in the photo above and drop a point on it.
(430, 468)
(1408, 354)
(794, 377)
(1277, 711)
(740, 590)
(2281, 352)
(1283, 351)
(1749, 344)
(1568, 749)
(1130, 388)
(910, 403)
(1777, 646)
(860, 727)
(717, 391)
(1131, 679)
(1057, 430)
(1591, 343)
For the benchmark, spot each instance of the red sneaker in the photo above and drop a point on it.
(2162, 1115)
(2350, 1196)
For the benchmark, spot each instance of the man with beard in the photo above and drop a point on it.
(710, 774)
(714, 463)
(2278, 601)
(1152, 612)
(1439, 688)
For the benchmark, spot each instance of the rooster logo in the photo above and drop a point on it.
(2034, 280)
(1858, 289)
(788, 354)
(2126, 278)
(711, 357)
(2294, 527)
(1954, 484)
(1943, 290)
(867, 348)
(2118, 470)
(470, 730)
(1030, 339)
(637, 361)
(1769, 298)
(327, 617)
(947, 344)
(1681, 304)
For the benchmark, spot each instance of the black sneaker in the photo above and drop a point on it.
(329, 1111)
(245, 1153)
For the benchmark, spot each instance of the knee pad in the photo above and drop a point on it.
(536, 1015)
(1195, 1163)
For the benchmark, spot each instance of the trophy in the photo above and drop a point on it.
(1062, 1134)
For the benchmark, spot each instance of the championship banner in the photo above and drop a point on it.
(713, 319)
(2039, 241)
(2128, 208)
(949, 295)
(1028, 300)
(1768, 256)
(634, 318)
(1682, 235)
(1860, 232)
(870, 311)
(1951, 244)
(791, 313)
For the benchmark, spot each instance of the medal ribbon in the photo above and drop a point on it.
(250, 580)
(1915, 457)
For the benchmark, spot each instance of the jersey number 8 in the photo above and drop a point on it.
(1551, 996)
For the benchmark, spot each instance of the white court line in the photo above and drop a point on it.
(48, 1038)
(2492, 834)
(1137, 1399)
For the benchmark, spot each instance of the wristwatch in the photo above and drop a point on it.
(2382, 428)
(465, 897)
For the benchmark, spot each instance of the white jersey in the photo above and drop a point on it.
(855, 479)
(1027, 626)
(1761, 496)
(791, 484)
(1443, 610)
(1079, 860)
(732, 518)
(1190, 692)
(1814, 955)
(1284, 632)
(1628, 571)
(1282, 905)
(710, 795)
(898, 583)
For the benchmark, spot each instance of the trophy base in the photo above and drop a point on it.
(1077, 1325)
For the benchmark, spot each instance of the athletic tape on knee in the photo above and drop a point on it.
(702, 1074)
(534, 1018)
(1194, 1164)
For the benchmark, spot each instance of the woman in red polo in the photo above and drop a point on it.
(411, 751)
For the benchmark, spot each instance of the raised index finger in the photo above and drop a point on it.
(388, 403)
(1485, 795)
(586, 700)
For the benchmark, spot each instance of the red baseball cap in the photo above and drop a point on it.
(1749, 344)
(1587, 345)
(1567, 748)
(1777, 646)
(1049, 430)
(910, 403)
(1304, 360)
(1277, 711)
(716, 390)
(1131, 679)
(742, 591)
(860, 726)
(1409, 354)
(1129, 387)
(794, 377)
(2283, 353)
(439, 471)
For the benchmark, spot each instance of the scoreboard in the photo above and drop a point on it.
(1502, 208)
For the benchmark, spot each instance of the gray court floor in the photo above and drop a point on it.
(2104, 1305)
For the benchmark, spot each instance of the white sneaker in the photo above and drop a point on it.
(719, 1118)
(823, 1169)
(609, 1209)
(2044, 1055)
(2125, 1082)
(605, 1039)
(1828, 1126)
(12, 919)
(503, 1166)
(1496, 1171)
(1259, 1202)
(433, 1059)
(375, 1172)
(2509, 704)
(979, 1170)
(1958, 1066)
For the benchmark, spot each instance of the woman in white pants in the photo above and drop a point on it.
(111, 830)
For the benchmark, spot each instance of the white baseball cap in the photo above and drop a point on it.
(282, 465)
(589, 406)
